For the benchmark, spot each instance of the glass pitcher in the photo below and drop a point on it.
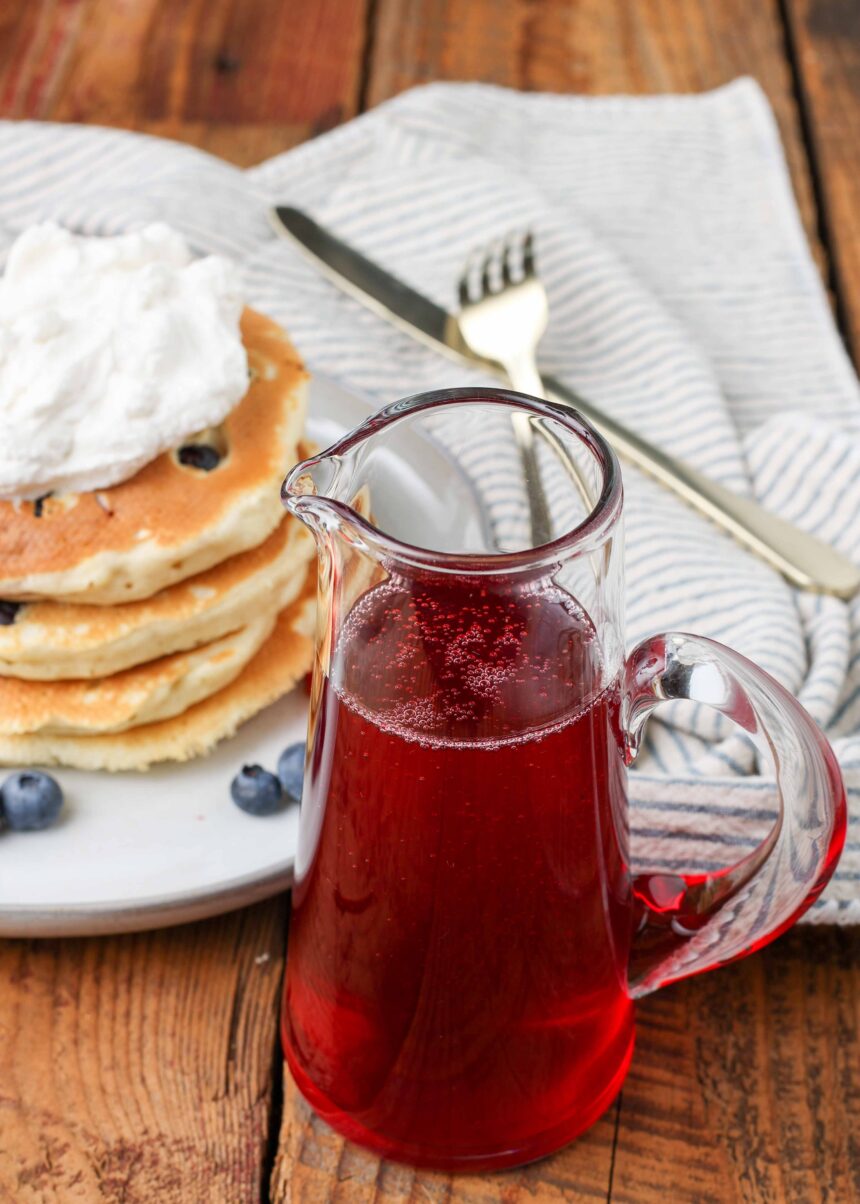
(467, 936)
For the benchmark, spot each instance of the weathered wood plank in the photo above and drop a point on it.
(243, 80)
(746, 1082)
(316, 1166)
(825, 38)
(134, 1113)
(745, 1086)
(597, 47)
(139, 1068)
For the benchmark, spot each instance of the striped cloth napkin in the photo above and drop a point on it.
(683, 299)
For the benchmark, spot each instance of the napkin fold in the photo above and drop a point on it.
(683, 300)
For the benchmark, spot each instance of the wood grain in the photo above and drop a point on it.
(316, 1166)
(595, 46)
(746, 1082)
(745, 1086)
(244, 80)
(139, 1069)
(824, 36)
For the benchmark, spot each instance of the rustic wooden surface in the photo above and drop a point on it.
(141, 1068)
(823, 37)
(146, 1068)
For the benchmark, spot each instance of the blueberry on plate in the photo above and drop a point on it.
(30, 800)
(256, 790)
(291, 770)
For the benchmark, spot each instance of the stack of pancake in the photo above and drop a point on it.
(146, 621)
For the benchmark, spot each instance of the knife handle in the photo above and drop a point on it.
(805, 561)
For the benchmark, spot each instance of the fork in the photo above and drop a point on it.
(503, 321)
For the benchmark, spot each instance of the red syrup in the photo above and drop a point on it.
(455, 990)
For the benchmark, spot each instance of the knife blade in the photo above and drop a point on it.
(370, 284)
(805, 561)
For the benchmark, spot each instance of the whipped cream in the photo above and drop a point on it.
(112, 350)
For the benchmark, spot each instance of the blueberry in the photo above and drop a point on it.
(199, 455)
(291, 770)
(30, 800)
(256, 790)
(8, 612)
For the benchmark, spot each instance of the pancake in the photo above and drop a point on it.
(49, 641)
(281, 662)
(172, 520)
(145, 694)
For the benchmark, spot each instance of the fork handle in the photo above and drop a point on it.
(805, 561)
(523, 374)
(525, 378)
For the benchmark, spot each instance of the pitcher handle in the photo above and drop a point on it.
(686, 925)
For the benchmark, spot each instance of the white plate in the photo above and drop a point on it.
(142, 850)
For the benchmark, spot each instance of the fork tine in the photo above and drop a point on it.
(529, 254)
(507, 261)
(486, 274)
(497, 267)
(463, 287)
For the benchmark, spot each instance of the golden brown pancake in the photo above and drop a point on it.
(281, 662)
(148, 692)
(171, 520)
(49, 641)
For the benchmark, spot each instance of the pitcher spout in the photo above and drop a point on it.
(324, 494)
(411, 486)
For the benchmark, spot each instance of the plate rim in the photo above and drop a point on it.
(113, 917)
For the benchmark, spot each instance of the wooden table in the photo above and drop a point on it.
(147, 1068)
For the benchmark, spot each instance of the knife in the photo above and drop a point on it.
(805, 561)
